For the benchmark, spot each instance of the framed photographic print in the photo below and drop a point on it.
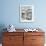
(26, 13)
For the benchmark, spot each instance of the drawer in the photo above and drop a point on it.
(37, 44)
(37, 39)
(13, 33)
(13, 42)
(34, 33)
(27, 37)
(8, 45)
(34, 39)
(12, 38)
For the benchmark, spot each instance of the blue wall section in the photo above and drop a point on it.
(10, 13)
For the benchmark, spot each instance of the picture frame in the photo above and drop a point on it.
(26, 13)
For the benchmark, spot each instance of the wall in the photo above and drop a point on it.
(10, 13)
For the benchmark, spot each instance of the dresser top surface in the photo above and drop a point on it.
(22, 30)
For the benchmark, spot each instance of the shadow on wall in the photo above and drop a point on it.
(2, 26)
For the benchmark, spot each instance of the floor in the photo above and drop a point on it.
(0, 44)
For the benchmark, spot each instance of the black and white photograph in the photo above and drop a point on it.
(26, 13)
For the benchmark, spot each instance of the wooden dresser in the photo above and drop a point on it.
(34, 39)
(23, 38)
